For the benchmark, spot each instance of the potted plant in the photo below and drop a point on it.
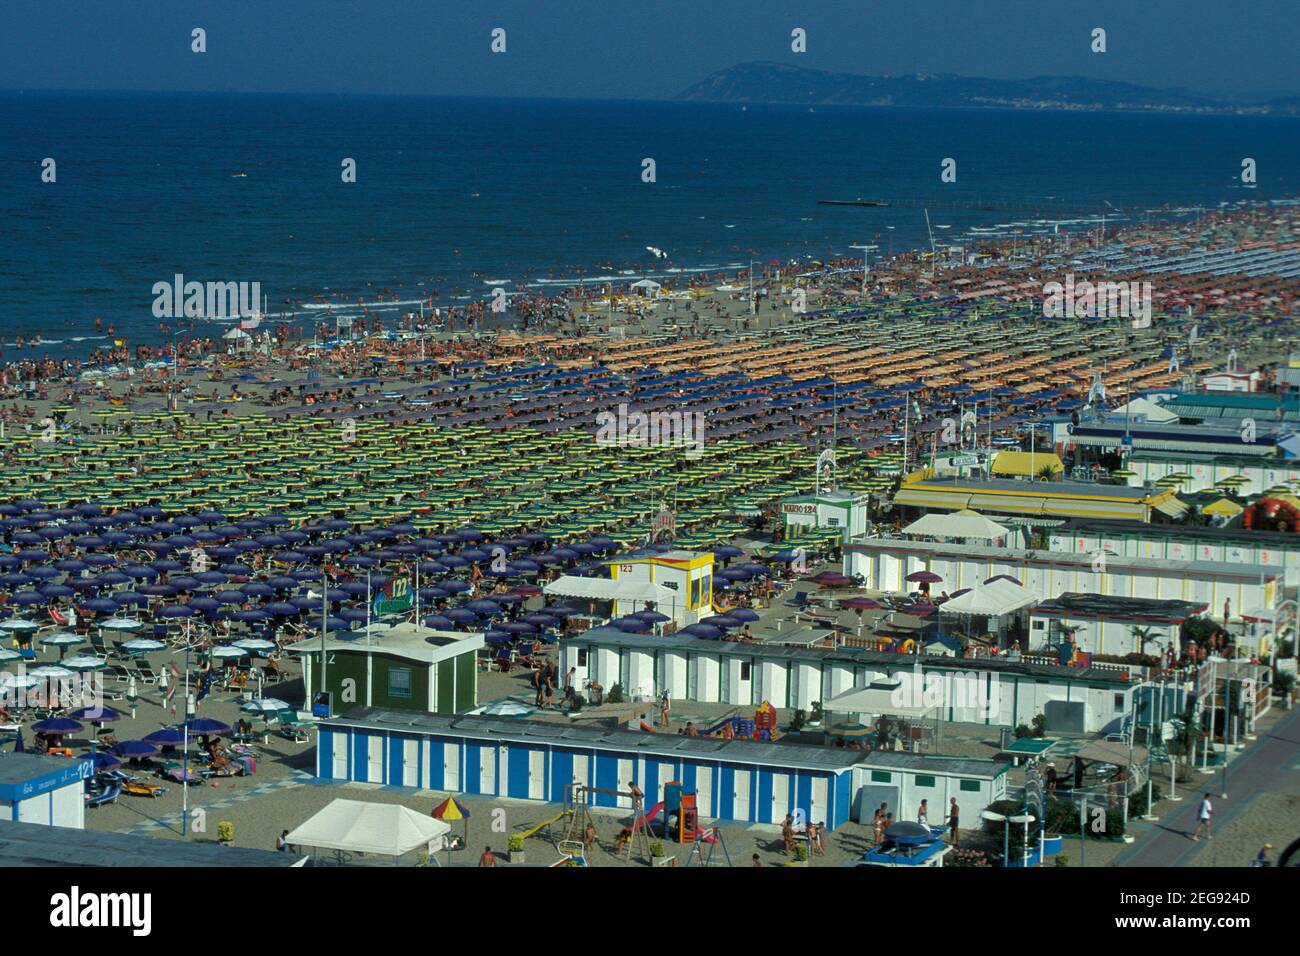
(225, 832)
(816, 716)
(797, 721)
(800, 856)
(615, 695)
(658, 856)
(516, 847)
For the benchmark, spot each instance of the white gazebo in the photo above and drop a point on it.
(382, 829)
(646, 287)
(965, 524)
(237, 340)
(990, 608)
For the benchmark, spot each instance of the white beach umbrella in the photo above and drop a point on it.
(255, 644)
(19, 625)
(7, 655)
(121, 624)
(18, 681)
(265, 706)
(507, 708)
(228, 652)
(62, 639)
(51, 672)
(142, 645)
(85, 662)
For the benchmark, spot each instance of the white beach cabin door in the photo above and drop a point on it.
(537, 775)
(410, 763)
(340, 755)
(782, 796)
(624, 776)
(740, 795)
(451, 767)
(375, 759)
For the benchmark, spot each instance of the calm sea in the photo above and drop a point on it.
(454, 193)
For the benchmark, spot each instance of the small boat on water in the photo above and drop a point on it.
(239, 175)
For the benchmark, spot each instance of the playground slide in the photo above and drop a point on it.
(653, 813)
(717, 725)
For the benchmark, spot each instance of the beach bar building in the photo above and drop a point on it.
(793, 678)
(1036, 499)
(742, 781)
(676, 583)
(885, 563)
(406, 667)
(39, 789)
(831, 509)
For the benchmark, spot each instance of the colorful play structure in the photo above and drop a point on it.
(762, 726)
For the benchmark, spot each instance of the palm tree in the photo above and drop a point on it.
(1142, 636)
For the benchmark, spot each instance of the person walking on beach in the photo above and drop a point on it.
(488, 858)
(282, 841)
(954, 816)
(923, 813)
(1204, 820)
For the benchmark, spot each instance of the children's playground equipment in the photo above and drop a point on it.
(711, 838)
(762, 726)
(544, 825)
(577, 800)
(572, 853)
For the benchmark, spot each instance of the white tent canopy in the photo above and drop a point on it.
(1146, 408)
(605, 589)
(992, 599)
(875, 700)
(958, 524)
(357, 827)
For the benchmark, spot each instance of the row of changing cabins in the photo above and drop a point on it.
(736, 781)
(992, 691)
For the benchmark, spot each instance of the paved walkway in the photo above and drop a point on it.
(1262, 768)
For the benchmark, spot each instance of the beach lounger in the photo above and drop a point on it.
(291, 729)
(142, 672)
(798, 600)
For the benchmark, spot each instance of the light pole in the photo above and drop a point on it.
(995, 817)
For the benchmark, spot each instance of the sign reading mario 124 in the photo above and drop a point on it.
(799, 509)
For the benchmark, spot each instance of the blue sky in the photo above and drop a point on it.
(635, 49)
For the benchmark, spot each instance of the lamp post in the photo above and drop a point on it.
(995, 817)
(1024, 819)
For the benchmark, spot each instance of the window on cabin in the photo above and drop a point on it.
(1119, 702)
(881, 776)
(924, 780)
(399, 682)
(582, 657)
(970, 786)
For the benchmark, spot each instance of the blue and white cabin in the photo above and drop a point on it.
(737, 781)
